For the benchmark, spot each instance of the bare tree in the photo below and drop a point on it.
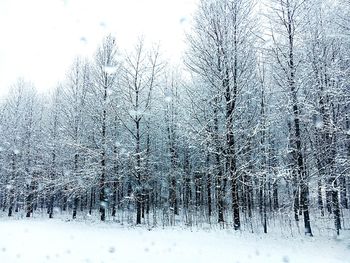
(141, 70)
(221, 53)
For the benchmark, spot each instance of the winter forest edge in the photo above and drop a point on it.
(252, 132)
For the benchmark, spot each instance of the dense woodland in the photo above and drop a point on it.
(254, 125)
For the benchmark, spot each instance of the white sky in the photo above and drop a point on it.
(40, 38)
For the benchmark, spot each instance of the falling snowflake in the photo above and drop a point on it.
(104, 204)
(83, 40)
(168, 99)
(110, 70)
(319, 124)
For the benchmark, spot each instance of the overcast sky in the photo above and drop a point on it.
(39, 38)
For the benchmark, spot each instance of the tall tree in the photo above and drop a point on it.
(221, 53)
(288, 26)
(105, 75)
(141, 70)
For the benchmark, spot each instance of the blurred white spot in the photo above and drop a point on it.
(136, 112)
(168, 99)
(319, 124)
(83, 40)
(104, 204)
(110, 69)
(16, 151)
(111, 250)
(122, 151)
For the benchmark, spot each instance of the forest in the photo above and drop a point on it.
(251, 132)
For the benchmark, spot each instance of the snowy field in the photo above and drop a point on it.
(44, 240)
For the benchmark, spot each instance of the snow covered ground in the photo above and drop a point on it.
(44, 240)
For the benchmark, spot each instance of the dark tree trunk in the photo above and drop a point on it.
(10, 208)
(92, 198)
(11, 188)
(296, 204)
(343, 193)
(335, 201)
(302, 176)
(198, 190)
(209, 194)
(329, 197)
(173, 160)
(139, 189)
(75, 206)
(102, 197)
(50, 205)
(319, 197)
(114, 199)
(264, 209)
(65, 202)
(30, 198)
(218, 168)
(187, 182)
(275, 195)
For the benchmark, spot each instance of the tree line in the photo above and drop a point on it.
(255, 124)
